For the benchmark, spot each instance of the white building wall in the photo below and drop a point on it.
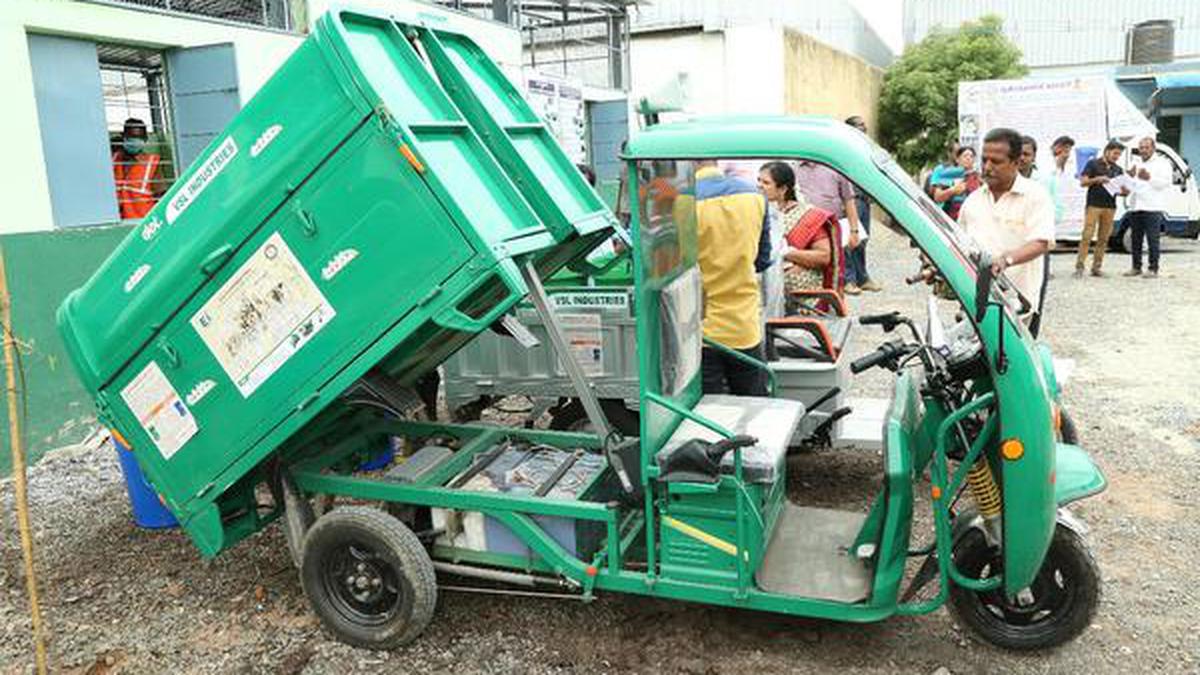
(259, 52)
(735, 71)
(24, 191)
(1054, 35)
(835, 22)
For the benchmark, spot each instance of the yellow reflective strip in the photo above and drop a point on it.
(700, 535)
(151, 165)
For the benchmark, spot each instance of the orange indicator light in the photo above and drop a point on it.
(1012, 449)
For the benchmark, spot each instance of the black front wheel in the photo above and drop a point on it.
(368, 578)
(1057, 606)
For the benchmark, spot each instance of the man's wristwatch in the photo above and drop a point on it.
(1008, 261)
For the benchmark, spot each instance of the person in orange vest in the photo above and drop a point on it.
(134, 170)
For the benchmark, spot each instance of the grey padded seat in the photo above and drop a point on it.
(770, 420)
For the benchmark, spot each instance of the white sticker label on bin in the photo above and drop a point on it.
(262, 315)
(584, 340)
(199, 391)
(159, 410)
(265, 139)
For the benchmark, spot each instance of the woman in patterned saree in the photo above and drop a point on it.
(813, 254)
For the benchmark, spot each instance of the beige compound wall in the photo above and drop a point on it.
(820, 80)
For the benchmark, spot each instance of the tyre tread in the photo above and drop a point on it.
(1073, 546)
(416, 567)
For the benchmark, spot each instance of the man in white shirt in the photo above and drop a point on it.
(1012, 218)
(1148, 204)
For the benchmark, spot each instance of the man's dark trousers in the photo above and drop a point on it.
(726, 374)
(1146, 224)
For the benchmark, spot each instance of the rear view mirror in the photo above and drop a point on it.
(983, 285)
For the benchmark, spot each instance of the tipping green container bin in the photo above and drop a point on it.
(367, 210)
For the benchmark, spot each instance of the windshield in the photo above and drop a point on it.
(952, 234)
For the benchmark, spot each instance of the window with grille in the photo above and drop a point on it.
(134, 87)
(185, 96)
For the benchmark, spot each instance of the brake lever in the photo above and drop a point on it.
(613, 444)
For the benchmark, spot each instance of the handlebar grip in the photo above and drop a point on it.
(871, 360)
(717, 450)
(876, 319)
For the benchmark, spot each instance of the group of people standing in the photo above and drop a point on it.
(953, 181)
(1149, 180)
(793, 223)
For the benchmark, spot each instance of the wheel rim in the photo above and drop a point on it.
(1052, 591)
(363, 586)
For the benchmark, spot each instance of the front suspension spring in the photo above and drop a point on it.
(984, 489)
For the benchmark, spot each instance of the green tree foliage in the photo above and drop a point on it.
(918, 107)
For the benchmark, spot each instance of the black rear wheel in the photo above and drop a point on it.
(1057, 606)
(368, 578)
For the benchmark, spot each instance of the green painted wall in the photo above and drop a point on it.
(41, 268)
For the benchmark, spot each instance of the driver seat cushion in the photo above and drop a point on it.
(771, 420)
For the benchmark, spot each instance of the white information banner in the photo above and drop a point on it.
(1044, 108)
(559, 102)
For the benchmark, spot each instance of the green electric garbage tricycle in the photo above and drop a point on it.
(387, 196)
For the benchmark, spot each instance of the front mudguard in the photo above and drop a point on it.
(1076, 476)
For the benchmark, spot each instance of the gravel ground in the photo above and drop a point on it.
(120, 599)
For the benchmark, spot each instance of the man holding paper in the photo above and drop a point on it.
(1151, 176)
(1099, 177)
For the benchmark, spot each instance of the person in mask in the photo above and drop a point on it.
(134, 170)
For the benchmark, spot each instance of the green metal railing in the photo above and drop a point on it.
(944, 491)
(772, 380)
(742, 501)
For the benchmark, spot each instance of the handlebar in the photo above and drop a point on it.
(887, 318)
(886, 351)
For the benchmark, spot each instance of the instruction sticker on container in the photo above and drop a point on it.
(584, 339)
(160, 410)
(262, 316)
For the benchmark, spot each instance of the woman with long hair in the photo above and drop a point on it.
(813, 254)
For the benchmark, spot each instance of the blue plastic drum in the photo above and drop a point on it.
(148, 511)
